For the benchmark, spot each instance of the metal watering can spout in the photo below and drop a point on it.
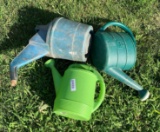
(56, 75)
(118, 74)
(37, 48)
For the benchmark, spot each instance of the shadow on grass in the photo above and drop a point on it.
(23, 29)
(40, 78)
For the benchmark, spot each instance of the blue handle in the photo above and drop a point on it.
(122, 26)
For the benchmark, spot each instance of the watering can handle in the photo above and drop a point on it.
(122, 26)
(101, 96)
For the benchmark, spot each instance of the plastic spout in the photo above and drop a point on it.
(37, 48)
(122, 77)
(56, 75)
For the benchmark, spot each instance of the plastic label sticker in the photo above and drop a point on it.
(73, 84)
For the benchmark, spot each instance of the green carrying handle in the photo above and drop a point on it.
(122, 26)
(101, 96)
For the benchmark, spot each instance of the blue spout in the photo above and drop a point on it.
(37, 48)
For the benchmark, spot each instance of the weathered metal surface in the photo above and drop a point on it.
(61, 38)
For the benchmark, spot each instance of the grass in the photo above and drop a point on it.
(29, 106)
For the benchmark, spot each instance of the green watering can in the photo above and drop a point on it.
(113, 52)
(75, 91)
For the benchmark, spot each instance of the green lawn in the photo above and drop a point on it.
(29, 105)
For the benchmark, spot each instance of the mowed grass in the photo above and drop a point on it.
(29, 105)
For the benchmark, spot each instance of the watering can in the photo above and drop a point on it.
(61, 38)
(113, 52)
(75, 91)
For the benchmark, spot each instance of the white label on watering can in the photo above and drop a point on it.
(73, 84)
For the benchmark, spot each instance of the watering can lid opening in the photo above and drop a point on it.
(83, 69)
(99, 52)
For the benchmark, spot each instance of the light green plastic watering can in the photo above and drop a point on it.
(75, 91)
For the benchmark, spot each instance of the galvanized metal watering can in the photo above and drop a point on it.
(113, 52)
(75, 91)
(61, 38)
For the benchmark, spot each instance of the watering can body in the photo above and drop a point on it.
(75, 91)
(61, 38)
(113, 52)
(117, 50)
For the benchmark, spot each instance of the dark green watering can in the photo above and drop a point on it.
(113, 52)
